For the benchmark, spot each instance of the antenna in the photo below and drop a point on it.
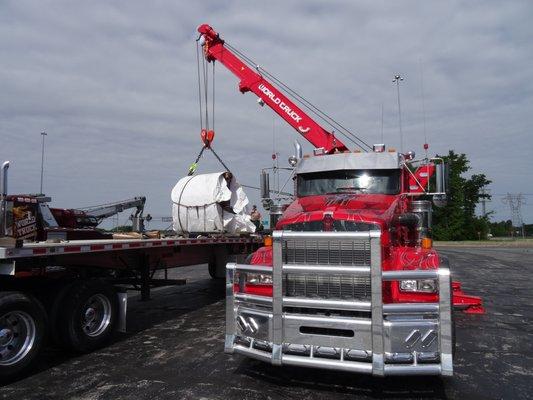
(382, 123)
(424, 106)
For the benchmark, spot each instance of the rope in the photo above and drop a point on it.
(179, 205)
(199, 84)
(213, 92)
(206, 83)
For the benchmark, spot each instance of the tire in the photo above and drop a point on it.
(56, 310)
(217, 263)
(23, 327)
(88, 316)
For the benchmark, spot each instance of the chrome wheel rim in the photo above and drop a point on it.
(96, 315)
(17, 336)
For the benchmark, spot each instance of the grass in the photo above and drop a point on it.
(495, 242)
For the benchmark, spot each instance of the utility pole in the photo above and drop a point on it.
(515, 202)
(43, 134)
(397, 79)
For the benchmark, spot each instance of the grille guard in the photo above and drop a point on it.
(386, 322)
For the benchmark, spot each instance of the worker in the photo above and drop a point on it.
(255, 217)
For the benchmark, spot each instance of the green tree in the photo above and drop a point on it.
(122, 228)
(457, 220)
(502, 228)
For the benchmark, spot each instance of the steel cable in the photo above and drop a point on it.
(306, 103)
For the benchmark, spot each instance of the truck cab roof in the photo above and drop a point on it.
(349, 161)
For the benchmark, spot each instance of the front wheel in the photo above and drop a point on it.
(22, 333)
(89, 315)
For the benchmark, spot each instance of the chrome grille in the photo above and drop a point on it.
(326, 252)
(327, 286)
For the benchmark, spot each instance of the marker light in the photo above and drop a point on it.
(426, 243)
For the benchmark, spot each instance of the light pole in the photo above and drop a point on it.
(397, 79)
(43, 134)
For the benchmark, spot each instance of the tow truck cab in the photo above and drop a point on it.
(351, 281)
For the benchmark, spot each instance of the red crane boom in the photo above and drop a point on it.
(251, 81)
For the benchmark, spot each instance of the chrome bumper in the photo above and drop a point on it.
(378, 339)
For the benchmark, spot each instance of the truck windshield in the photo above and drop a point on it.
(377, 181)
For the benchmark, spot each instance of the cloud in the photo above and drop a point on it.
(114, 85)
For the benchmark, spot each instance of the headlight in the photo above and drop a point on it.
(421, 285)
(258, 279)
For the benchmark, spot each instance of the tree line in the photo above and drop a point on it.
(457, 220)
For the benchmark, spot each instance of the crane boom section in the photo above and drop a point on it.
(110, 209)
(251, 81)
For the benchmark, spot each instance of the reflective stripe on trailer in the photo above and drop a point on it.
(33, 249)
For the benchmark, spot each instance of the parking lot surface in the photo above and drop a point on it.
(174, 348)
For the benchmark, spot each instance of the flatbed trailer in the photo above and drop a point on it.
(75, 292)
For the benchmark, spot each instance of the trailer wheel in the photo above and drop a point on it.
(89, 315)
(217, 263)
(23, 325)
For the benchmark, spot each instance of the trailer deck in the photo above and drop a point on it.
(174, 349)
(99, 245)
(74, 293)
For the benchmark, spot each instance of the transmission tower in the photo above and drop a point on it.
(484, 200)
(515, 202)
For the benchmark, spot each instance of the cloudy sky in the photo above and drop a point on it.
(114, 85)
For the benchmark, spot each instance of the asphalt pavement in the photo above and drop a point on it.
(174, 348)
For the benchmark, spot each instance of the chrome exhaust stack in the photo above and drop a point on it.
(298, 150)
(3, 199)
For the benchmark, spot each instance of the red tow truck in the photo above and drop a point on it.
(73, 291)
(351, 281)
